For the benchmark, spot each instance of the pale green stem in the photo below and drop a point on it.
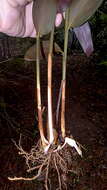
(64, 74)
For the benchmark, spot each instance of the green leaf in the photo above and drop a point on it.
(81, 11)
(44, 13)
(103, 63)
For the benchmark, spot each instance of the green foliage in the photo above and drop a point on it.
(81, 11)
(103, 18)
(99, 30)
(98, 24)
(44, 12)
(103, 63)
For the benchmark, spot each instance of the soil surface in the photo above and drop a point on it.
(86, 118)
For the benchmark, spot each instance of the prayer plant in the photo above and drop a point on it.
(50, 152)
(75, 13)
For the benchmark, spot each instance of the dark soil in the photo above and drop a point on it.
(85, 119)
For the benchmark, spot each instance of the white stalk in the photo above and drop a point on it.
(50, 117)
(38, 90)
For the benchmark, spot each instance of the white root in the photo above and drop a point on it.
(71, 142)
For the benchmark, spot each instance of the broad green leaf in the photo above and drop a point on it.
(44, 13)
(81, 11)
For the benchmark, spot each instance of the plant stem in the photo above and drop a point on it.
(42, 50)
(50, 117)
(39, 106)
(58, 103)
(64, 75)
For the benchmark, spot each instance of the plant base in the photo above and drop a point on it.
(55, 162)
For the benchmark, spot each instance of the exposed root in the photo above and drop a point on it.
(57, 162)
